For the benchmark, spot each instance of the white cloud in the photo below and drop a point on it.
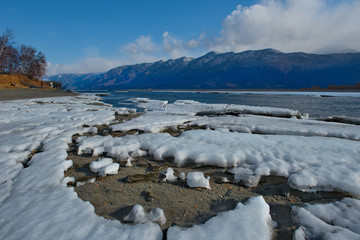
(291, 25)
(172, 46)
(176, 47)
(143, 44)
(86, 65)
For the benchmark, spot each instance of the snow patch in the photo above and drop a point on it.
(337, 220)
(138, 215)
(197, 179)
(250, 220)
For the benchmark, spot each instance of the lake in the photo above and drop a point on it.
(317, 104)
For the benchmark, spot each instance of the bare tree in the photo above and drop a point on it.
(24, 59)
(5, 40)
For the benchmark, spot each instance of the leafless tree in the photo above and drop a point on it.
(24, 59)
(5, 40)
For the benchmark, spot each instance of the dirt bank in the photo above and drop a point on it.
(26, 93)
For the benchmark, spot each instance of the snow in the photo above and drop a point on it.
(311, 163)
(250, 220)
(337, 220)
(280, 126)
(182, 176)
(198, 180)
(35, 202)
(96, 166)
(109, 169)
(104, 166)
(138, 215)
(169, 175)
(154, 122)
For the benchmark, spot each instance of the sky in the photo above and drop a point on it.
(85, 36)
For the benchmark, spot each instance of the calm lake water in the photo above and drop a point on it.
(316, 104)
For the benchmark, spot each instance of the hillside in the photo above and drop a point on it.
(262, 69)
(21, 81)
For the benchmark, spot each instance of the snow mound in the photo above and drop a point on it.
(169, 175)
(246, 176)
(337, 220)
(197, 179)
(138, 215)
(104, 166)
(96, 166)
(310, 163)
(251, 220)
(109, 169)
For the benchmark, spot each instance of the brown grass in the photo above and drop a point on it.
(21, 81)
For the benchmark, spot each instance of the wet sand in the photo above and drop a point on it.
(26, 93)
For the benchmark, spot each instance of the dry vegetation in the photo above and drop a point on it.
(21, 81)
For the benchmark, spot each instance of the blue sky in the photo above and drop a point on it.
(92, 36)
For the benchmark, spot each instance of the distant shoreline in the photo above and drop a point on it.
(227, 90)
(8, 94)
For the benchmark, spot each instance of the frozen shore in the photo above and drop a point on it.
(242, 149)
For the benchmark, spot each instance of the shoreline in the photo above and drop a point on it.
(9, 94)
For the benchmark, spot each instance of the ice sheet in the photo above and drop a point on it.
(337, 220)
(280, 126)
(154, 122)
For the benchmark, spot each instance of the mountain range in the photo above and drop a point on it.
(260, 69)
